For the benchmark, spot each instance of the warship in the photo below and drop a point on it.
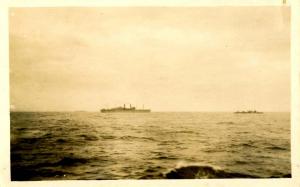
(248, 112)
(124, 109)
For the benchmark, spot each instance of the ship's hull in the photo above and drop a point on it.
(125, 111)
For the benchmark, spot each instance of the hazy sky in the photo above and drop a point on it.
(169, 59)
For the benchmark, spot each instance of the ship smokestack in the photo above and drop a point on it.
(130, 105)
(124, 106)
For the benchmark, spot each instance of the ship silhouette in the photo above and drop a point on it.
(248, 112)
(124, 109)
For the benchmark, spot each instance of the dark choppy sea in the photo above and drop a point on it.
(87, 145)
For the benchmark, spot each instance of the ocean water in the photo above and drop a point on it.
(93, 145)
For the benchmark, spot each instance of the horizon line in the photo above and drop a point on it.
(153, 111)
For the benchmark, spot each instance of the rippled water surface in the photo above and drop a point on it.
(86, 145)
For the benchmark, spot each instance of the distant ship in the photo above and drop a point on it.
(124, 109)
(248, 112)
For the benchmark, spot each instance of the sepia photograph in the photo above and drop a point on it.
(109, 93)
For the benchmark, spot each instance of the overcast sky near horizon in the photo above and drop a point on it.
(169, 59)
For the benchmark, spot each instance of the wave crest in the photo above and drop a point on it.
(203, 172)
